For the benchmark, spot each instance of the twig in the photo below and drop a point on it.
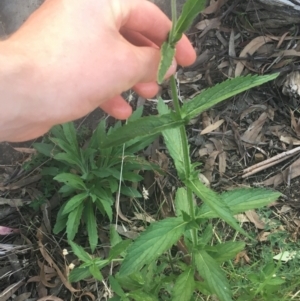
(269, 162)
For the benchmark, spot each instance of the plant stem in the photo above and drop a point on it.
(186, 154)
(174, 19)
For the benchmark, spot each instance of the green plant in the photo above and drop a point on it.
(150, 270)
(90, 175)
(191, 220)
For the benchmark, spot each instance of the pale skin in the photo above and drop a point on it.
(72, 56)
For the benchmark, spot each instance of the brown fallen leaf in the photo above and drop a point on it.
(250, 48)
(207, 25)
(253, 133)
(254, 218)
(289, 140)
(214, 7)
(25, 150)
(263, 236)
(212, 127)
(50, 298)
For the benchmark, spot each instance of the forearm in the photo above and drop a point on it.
(18, 93)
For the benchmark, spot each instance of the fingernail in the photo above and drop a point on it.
(172, 69)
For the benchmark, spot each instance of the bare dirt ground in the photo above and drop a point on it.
(238, 134)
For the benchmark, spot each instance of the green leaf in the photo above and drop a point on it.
(167, 55)
(190, 11)
(207, 235)
(117, 288)
(114, 236)
(132, 177)
(241, 200)
(213, 275)
(139, 295)
(61, 220)
(119, 248)
(71, 180)
(225, 251)
(215, 203)
(181, 201)
(184, 286)
(69, 158)
(144, 127)
(104, 206)
(44, 148)
(98, 135)
(130, 191)
(94, 270)
(79, 274)
(91, 225)
(222, 91)
(80, 252)
(70, 134)
(73, 222)
(74, 202)
(172, 138)
(158, 237)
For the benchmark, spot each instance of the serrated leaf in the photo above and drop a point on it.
(167, 54)
(73, 222)
(225, 251)
(158, 237)
(61, 220)
(104, 207)
(139, 295)
(79, 274)
(94, 270)
(91, 225)
(119, 248)
(213, 276)
(80, 252)
(144, 127)
(172, 138)
(190, 11)
(214, 202)
(207, 235)
(181, 201)
(222, 91)
(184, 286)
(241, 200)
(74, 202)
(70, 134)
(71, 180)
(132, 177)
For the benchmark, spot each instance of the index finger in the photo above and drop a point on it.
(148, 20)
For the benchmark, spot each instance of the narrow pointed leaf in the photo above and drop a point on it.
(172, 138)
(184, 286)
(74, 221)
(91, 225)
(74, 202)
(181, 202)
(167, 55)
(222, 91)
(139, 295)
(117, 288)
(213, 200)
(119, 248)
(144, 127)
(70, 134)
(94, 270)
(79, 274)
(190, 11)
(158, 238)
(80, 252)
(213, 276)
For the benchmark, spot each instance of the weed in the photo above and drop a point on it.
(149, 270)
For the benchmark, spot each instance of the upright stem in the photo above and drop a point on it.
(186, 154)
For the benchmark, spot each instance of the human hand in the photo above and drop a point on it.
(84, 54)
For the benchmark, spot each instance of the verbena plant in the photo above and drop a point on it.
(149, 270)
(91, 175)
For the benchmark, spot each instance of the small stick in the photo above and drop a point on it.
(269, 162)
